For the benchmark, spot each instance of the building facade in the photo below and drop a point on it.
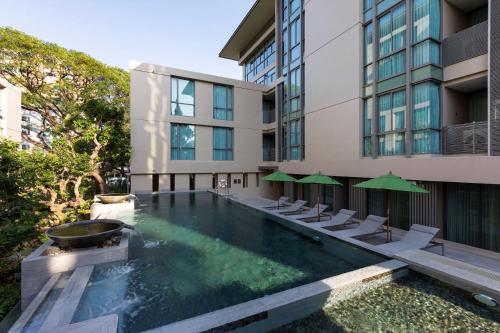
(10, 111)
(359, 88)
(192, 131)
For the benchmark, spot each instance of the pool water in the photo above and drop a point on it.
(411, 305)
(196, 253)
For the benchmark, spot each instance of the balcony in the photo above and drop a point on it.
(470, 138)
(466, 44)
(268, 154)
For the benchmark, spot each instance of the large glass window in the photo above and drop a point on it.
(295, 39)
(392, 65)
(295, 140)
(426, 118)
(426, 52)
(368, 54)
(263, 58)
(392, 38)
(291, 24)
(182, 97)
(426, 20)
(367, 126)
(391, 123)
(392, 31)
(223, 102)
(182, 140)
(223, 144)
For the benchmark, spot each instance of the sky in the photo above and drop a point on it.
(186, 34)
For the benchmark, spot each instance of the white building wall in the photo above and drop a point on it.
(10, 111)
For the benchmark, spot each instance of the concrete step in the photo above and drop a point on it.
(64, 308)
(25, 317)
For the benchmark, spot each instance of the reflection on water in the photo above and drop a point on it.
(194, 253)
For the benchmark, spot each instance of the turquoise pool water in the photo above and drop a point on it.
(195, 253)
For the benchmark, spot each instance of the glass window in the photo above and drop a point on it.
(222, 144)
(392, 31)
(391, 119)
(182, 97)
(426, 52)
(368, 47)
(426, 118)
(223, 102)
(295, 140)
(426, 19)
(182, 139)
(294, 6)
(392, 111)
(391, 144)
(295, 82)
(367, 126)
(263, 58)
(392, 65)
(367, 4)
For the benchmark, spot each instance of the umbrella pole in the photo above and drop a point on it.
(388, 204)
(317, 202)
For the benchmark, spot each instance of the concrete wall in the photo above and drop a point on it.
(151, 118)
(10, 106)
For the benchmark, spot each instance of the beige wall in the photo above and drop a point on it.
(10, 106)
(454, 19)
(333, 105)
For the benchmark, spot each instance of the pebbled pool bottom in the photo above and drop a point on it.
(416, 303)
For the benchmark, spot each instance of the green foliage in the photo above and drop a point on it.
(85, 107)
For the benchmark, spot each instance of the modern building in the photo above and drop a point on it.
(32, 127)
(354, 89)
(10, 111)
(191, 131)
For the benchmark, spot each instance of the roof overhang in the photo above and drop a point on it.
(253, 24)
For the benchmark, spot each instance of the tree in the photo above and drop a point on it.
(85, 107)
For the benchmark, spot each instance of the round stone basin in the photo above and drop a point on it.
(85, 233)
(112, 198)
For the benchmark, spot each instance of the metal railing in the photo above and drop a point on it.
(466, 44)
(470, 138)
(269, 154)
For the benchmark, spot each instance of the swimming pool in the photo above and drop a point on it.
(194, 253)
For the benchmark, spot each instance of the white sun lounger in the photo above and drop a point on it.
(342, 217)
(368, 226)
(418, 237)
(311, 213)
(282, 201)
(296, 206)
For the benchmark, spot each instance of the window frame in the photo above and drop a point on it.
(177, 150)
(392, 132)
(176, 101)
(225, 150)
(229, 101)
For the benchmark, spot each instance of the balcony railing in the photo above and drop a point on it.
(269, 154)
(471, 138)
(466, 44)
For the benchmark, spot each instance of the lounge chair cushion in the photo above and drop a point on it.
(418, 237)
(368, 226)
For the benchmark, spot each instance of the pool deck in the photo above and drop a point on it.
(468, 268)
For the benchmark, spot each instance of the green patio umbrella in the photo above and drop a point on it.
(390, 182)
(279, 176)
(318, 179)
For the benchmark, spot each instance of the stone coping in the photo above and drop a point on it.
(265, 313)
